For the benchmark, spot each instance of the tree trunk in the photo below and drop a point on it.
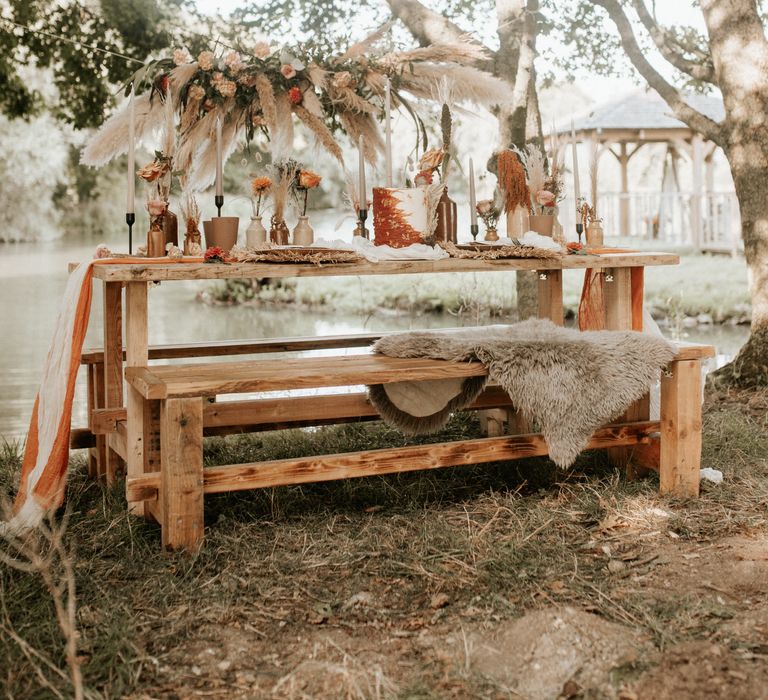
(738, 45)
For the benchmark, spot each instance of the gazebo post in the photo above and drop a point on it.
(697, 158)
(624, 202)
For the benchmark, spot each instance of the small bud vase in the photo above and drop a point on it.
(278, 231)
(255, 234)
(491, 235)
(303, 233)
(594, 235)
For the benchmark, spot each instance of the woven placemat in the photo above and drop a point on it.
(497, 252)
(312, 256)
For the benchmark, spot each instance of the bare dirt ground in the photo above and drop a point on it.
(507, 581)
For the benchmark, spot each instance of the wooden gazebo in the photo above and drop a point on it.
(622, 127)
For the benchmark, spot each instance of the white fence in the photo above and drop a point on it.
(670, 218)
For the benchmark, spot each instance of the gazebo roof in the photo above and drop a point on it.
(642, 110)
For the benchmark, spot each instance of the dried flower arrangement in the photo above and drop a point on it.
(545, 184)
(190, 210)
(489, 212)
(259, 92)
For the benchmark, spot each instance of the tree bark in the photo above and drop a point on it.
(740, 58)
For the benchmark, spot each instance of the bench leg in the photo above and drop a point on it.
(181, 479)
(111, 385)
(681, 429)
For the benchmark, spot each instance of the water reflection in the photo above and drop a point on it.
(33, 276)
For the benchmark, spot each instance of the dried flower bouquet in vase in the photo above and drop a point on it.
(256, 234)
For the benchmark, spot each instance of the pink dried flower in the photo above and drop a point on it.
(156, 207)
(181, 56)
(227, 88)
(288, 71)
(102, 252)
(261, 50)
(234, 62)
(545, 198)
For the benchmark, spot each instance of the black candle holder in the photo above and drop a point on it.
(219, 202)
(579, 231)
(130, 219)
(474, 229)
(360, 229)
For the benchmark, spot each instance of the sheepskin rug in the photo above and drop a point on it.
(567, 381)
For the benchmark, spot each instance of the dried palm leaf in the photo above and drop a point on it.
(317, 76)
(468, 84)
(312, 103)
(320, 130)
(434, 192)
(202, 170)
(361, 47)
(464, 51)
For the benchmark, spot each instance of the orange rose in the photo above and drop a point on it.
(295, 95)
(431, 159)
(152, 171)
(309, 180)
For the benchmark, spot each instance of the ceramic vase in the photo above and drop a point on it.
(255, 234)
(446, 219)
(303, 233)
(278, 231)
(543, 224)
(594, 235)
(517, 222)
(171, 228)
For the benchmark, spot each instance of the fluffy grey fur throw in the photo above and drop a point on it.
(569, 382)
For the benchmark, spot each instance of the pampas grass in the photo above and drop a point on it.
(357, 125)
(266, 100)
(593, 163)
(322, 133)
(282, 135)
(533, 160)
(462, 51)
(283, 176)
(348, 99)
(468, 84)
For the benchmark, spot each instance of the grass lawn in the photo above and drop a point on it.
(391, 587)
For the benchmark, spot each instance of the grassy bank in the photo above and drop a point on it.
(715, 286)
(382, 587)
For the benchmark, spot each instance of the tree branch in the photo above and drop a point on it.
(430, 27)
(664, 39)
(707, 127)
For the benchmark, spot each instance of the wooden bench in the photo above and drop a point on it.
(173, 494)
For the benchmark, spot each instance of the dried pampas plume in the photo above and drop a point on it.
(512, 181)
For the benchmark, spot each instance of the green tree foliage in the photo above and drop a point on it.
(77, 46)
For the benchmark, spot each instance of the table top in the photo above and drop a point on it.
(162, 271)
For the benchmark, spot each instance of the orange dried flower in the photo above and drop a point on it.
(309, 180)
(259, 185)
(152, 171)
(295, 95)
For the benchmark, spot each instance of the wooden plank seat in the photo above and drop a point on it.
(174, 494)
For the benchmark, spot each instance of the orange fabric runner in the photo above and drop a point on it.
(592, 303)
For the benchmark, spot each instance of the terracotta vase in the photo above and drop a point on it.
(278, 231)
(446, 219)
(594, 235)
(543, 224)
(221, 232)
(255, 234)
(171, 228)
(303, 233)
(156, 239)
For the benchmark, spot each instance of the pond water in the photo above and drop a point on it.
(33, 276)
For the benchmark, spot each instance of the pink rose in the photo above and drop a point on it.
(227, 88)
(545, 197)
(288, 71)
(234, 62)
(484, 206)
(156, 207)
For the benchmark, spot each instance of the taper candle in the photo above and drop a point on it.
(363, 203)
(576, 190)
(472, 198)
(219, 164)
(388, 132)
(131, 195)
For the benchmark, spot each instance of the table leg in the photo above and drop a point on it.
(551, 295)
(136, 355)
(618, 317)
(112, 373)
